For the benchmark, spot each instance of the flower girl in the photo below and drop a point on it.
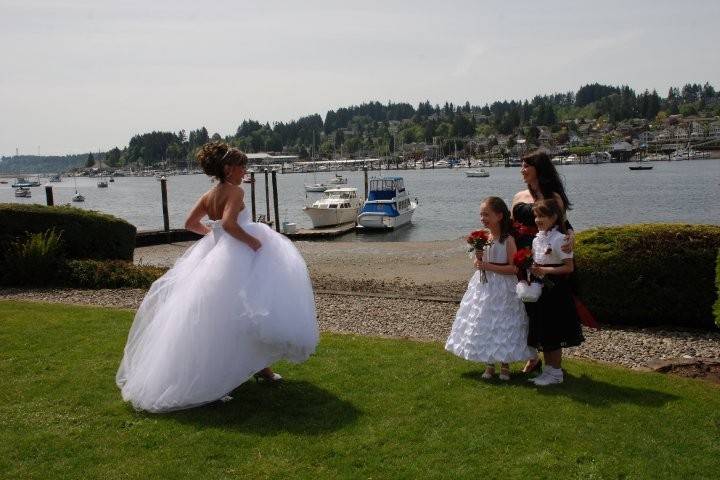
(554, 321)
(491, 324)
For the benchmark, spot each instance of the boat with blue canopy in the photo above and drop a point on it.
(388, 204)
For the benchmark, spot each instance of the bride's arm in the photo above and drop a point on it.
(229, 220)
(197, 213)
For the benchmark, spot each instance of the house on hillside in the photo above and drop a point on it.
(646, 137)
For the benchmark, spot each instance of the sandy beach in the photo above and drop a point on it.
(438, 269)
(404, 290)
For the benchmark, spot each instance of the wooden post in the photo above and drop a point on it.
(366, 181)
(267, 196)
(166, 218)
(49, 195)
(252, 194)
(275, 201)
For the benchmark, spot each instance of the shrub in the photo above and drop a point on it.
(653, 274)
(717, 285)
(86, 234)
(33, 260)
(109, 274)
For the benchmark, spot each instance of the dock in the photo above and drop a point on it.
(322, 232)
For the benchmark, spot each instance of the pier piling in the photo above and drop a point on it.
(49, 195)
(267, 196)
(275, 201)
(252, 195)
(163, 191)
(365, 168)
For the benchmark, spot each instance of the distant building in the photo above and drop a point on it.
(714, 130)
(646, 137)
(267, 159)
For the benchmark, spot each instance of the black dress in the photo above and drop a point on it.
(554, 321)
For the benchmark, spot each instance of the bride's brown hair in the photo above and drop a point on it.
(214, 156)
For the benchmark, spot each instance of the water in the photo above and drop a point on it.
(608, 194)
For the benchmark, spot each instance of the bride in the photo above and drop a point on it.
(234, 303)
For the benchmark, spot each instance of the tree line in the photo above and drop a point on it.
(378, 128)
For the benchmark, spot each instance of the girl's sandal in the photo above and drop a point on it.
(532, 365)
(488, 373)
(504, 374)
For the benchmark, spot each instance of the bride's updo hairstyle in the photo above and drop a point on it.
(214, 156)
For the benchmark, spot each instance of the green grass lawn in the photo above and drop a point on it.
(360, 408)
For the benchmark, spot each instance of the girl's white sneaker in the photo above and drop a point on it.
(550, 376)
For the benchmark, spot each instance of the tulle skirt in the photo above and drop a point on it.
(222, 313)
(491, 324)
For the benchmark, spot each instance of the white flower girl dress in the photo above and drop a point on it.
(491, 324)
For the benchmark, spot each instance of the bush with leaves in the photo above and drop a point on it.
(109, 274)
(717, 285)
(86, 234)
(650, 274)
(35, 260)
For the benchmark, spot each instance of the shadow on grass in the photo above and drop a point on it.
(266, 409)
(587, 390)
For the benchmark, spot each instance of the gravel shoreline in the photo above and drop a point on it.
(428, 321)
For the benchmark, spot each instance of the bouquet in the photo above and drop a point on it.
(478, 241)
(519, 231)
(526, 290)
(523, 260)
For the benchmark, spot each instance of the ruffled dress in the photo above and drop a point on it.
(491, 324)
(222, 313)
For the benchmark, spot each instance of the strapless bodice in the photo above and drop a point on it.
(244, 218)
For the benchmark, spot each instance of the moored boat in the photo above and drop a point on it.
(640, 167)
(388, 205)
(338, 205)
(23, 192)
(316, 187)
(338, 180)
(477, 173)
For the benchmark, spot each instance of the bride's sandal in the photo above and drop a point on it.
(268, 377)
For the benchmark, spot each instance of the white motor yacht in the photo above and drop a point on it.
(338, 205)
(477, 173)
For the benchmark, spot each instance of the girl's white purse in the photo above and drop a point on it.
(528, 292)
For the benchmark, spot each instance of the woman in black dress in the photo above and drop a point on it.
(543, 182)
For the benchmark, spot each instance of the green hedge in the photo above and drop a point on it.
(651, 274)
(85, 234)
(717, 284)
(109, 274)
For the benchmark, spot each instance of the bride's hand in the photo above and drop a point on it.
(569, 242)
(254, 243)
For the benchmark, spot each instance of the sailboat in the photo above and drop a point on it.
(315, 187)
(77, 197)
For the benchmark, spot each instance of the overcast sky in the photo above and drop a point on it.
(81, 75)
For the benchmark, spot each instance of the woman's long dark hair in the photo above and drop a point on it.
(548, 178)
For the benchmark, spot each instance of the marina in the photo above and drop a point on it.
(601, 194)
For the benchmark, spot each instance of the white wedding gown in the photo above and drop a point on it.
(222, 313)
